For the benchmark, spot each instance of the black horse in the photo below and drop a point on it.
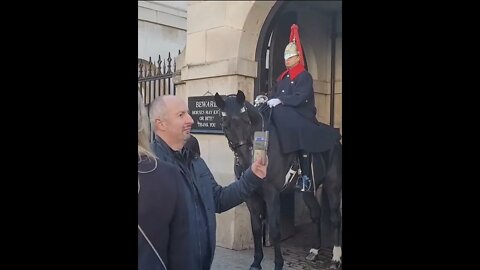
(240, 119)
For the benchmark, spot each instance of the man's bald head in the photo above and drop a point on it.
(171, 120)
(160, 107)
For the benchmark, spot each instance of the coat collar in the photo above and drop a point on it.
(293, 72)
(169, 154)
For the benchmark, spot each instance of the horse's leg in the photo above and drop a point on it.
(315, 212)
(333, 197)
(313, 205)
(256, 208)
(272, 199)
(333, 191)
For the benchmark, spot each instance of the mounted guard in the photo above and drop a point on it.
(293, 112)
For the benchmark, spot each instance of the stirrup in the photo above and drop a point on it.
(304, 187)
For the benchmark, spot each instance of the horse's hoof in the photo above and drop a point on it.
(335, 265)
(255, 268)
(312, 256)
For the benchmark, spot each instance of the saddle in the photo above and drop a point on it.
(266, 112)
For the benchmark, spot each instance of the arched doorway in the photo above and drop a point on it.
(320, 33)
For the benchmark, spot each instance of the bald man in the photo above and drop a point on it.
(172, 124)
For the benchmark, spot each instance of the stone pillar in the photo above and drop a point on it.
(212, 62)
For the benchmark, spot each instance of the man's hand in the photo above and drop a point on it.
(259, 167)
(273, 102)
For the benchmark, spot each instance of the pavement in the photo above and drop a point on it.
(294, 251)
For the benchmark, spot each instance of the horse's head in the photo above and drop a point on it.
(238, 122)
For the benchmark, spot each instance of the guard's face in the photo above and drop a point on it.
(292, 61)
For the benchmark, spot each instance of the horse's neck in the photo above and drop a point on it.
(265, 115)
(255, 117)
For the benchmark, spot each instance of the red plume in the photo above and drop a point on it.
(295, 37)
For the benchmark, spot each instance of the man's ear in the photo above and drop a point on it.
(160, 124)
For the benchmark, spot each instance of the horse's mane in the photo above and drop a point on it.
(254, 115)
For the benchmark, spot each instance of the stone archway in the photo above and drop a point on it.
(320, 31)
(268, 23)
(267, 27)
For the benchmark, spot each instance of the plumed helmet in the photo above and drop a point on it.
(290, 50)
(294, 47)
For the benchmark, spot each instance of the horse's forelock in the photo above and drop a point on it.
(231, 104)
(233, 108)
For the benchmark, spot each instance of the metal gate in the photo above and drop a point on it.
(155, 79)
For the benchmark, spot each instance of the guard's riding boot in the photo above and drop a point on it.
(304, 182)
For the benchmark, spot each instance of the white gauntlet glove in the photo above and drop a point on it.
(273, 102)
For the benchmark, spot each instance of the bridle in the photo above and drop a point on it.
(234, 146)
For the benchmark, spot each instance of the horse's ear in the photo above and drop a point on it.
(219, 101)
(240, 97)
